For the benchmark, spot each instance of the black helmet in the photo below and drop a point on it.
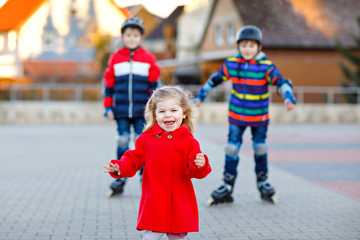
(249, 32)
(133, 23)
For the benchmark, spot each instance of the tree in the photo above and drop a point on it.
(352, 77)
(102, 44)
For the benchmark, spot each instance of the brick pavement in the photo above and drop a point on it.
(52, 187)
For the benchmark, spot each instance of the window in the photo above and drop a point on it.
(230, 33)
(12, 40)
(72, 41)
(218, 36)
(49, 41)
(2, 41)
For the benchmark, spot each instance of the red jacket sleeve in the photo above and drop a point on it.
(154, 72)
(109, 82)
(131, 161)
(193, 170)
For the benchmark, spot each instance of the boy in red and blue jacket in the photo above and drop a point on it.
(129, 80)
(251, 73)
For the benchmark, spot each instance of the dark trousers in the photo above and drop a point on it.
(235, 139)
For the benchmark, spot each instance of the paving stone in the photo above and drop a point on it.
(53, 186)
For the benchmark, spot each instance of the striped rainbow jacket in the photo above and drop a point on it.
(249, 101)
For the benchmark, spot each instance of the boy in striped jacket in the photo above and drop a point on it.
(251, 73)
(129, 80)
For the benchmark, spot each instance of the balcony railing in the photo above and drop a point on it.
(304, 94)
(93, 92)
(51, 92)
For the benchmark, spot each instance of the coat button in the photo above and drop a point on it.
(158, 136)
(169, 137)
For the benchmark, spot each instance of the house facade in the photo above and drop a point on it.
(191, 27)
(149, 20)
(299, 36)
(12, 19)
(161, 41)
(56, 40)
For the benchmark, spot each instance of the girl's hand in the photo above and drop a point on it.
(199, 160)
(289, 105)
(114, 168)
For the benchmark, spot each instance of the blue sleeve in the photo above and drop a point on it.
(214, 80)
(285, 86)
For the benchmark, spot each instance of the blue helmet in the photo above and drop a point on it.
(249, 32)
(132, 23)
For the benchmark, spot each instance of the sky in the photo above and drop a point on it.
(2, 2)
(162, 8)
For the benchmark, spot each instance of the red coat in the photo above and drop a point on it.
(168, 203)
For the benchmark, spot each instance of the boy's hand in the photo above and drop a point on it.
(114, 168)
(289, 105)
(199, 160)
(109, 114)
(197, 102)
(289, 100)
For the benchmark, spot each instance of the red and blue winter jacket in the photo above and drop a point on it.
(130, 78)
(249, 101)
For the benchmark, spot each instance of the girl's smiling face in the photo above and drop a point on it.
(169, 114)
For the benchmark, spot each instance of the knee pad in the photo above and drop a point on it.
(231, 149)
(123, 140)
(260, 148)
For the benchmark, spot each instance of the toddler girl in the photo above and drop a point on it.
(171, 156)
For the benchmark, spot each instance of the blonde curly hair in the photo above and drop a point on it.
(184, 99)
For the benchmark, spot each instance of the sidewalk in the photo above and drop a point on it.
(52, 185)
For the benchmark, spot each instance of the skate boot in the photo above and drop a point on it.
(267, 191)
(223, 193)
(116, 187)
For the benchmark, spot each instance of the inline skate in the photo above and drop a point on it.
(267, 191)
(223, 193)
(116, 187)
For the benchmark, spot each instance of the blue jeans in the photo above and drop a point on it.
(123, 128)
(235, 140)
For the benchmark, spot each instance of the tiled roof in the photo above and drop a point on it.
(14, 13)
(302, 23)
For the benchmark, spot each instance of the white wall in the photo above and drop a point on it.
(191, 26)
(92, 112)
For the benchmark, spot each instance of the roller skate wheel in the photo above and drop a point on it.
(110, 193)
(211, 202)
(271, 200)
